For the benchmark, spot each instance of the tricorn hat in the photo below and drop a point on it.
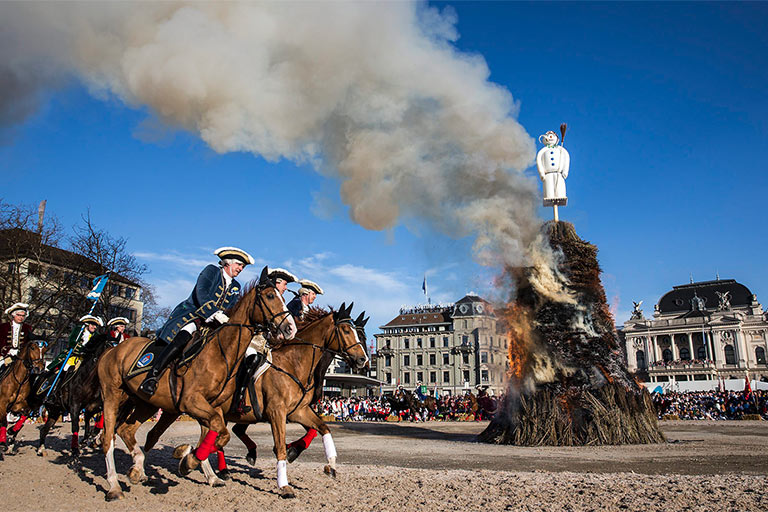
(307, 285)
(234, 253)
(16, 307)
(281, 273)
(90, 319)
(119, 320)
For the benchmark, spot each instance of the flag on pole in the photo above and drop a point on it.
(424, 285)
(98, 286)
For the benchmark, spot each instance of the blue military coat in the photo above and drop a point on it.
(208, 296)
(296, 307)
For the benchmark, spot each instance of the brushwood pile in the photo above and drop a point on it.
(568, 383)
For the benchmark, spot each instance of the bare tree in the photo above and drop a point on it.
(55, 273)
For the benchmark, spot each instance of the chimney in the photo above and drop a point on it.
(40, 216)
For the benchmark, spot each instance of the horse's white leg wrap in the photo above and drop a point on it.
(210, 475)
(138, 459)
(111, 471)
(330, 449)
(282, 473)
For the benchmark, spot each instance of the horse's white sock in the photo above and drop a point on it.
(282, 473)
(330, 448)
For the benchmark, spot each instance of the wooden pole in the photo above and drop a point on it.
(557, 218)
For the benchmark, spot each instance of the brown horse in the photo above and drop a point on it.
(15, 388)
(198, 388)
(286, 390)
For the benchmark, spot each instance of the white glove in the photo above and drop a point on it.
(13, 352)
(219, 316)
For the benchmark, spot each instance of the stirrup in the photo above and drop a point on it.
(242, 407)
(149, 386)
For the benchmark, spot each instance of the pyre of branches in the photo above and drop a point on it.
(568, 384)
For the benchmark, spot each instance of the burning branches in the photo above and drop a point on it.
(568, 384)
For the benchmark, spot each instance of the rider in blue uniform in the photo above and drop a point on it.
(299, 305)
(215, 291)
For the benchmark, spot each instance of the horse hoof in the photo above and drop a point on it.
(136, 476)
(181, 451)
(251, 457)
(216, 482)
(188, 464)
(41, 452)
(13, 449)
(115, 494)
(3, 447)
(292, 453)
(225, 475)
(287, 492)
(328, 470)
(74, 462)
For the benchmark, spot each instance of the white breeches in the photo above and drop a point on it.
(190, 327)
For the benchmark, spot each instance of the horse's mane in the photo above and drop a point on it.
(314, 314)
(98, 344)
(244, 291)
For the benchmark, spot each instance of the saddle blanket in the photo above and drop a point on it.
(152, 350)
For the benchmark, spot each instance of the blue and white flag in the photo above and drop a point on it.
(424, 285)
(98, 286)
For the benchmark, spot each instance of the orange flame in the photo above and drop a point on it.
(520, 333)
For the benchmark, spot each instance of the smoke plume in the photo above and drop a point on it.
(374, 94)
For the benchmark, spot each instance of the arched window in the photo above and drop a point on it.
(701, 353)
(640, 356)
(666, 355)
(730, 357)
(760, 355)
(685, 355)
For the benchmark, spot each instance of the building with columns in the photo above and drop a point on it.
(702, 331)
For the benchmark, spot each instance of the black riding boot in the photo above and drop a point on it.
(171, 352)
(244, 375)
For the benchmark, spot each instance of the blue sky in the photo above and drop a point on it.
(667, 113)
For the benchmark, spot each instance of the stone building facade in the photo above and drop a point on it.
(701, 331)
(451, 347)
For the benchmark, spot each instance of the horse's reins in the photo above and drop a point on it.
(26, 363)
(323, 349)
(252, 328)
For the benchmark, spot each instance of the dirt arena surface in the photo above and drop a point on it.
(417, 467)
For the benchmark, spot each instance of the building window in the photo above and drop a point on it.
(388, 343)
(432, 359)
(406, 343)
(419, 360)
(445, 341)
(484, 375)
(465, 340)
(640, 356)
(433, 377)
(33, 269)
(685, 355)
(406, 360)
(666, 355)
(418, 342)
(465, 358)
(446, 377)
(387, 360)
(701, 353)
(445, 358)
(407, 378)
(730, 356)
(760, 355)
(465, 373)
(419, 376)
(484, 357)
(388, 378)
(431, 342)
(130, 293)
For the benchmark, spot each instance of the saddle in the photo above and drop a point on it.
(144, 361)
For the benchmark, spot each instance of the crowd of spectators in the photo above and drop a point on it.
(382, 407)
(711, 405)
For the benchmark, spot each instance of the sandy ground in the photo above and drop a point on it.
(417, 467)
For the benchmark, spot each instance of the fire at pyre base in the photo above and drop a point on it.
(568, 383)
